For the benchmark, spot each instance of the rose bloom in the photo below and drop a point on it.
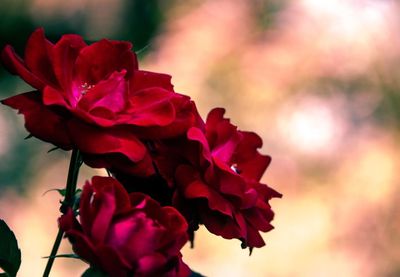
(126, 234)
(215, 172)
(94, 98)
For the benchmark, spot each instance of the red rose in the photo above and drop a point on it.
(94, 98)
(126, 235)
(219, 186)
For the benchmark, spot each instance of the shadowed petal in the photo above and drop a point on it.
(13, 63)
(95, 140)
(38, 57)
(41, 121)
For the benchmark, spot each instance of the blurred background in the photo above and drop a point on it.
(318, 80)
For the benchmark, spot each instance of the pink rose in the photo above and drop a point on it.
(94, 98)
(126, 235)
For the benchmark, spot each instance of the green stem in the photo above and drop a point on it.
(70, 189)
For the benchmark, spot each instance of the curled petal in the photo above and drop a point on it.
(197, 189)
(151, 107)
(16, 66)
(65, 52)
(94, 140)
(251, 163)
(145, 79)
(41, 121)
(110, 94)
(38, 57)
(98, 60)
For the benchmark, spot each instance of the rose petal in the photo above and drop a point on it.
(110, 94)
(145, 79)
(105, 203)
(97, 61)
(86, 211)
(65, 52)
(251, 163)
(151, 107)
(41, 121)
(112, 262)
(52, 96)
(119, 162)
(38, 57)
(94, 140)
(13, 63)
(122, 199)
(195, 134)
(194, 188)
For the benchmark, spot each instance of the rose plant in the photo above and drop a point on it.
(170, 171)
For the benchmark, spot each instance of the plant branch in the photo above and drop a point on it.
(68, 202)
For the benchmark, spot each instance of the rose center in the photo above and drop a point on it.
(235, 169)
(85, 87)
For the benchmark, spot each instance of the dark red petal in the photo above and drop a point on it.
(110, 94)
(151, 265)
(220, 224)
(38, 54)
(194, 189)
(260, 219)
(41, 121)
(145, 203)
(214, 117)
(97, 61)
(122, 199)
(146, 79)
(65, 52)
(254, 239)
(251, 163)
(119, 162)
(94, 140)
(83, 246)
(182, 269)
(86, 213)
(140, 236)
(173, 220)
(195, 134)
(68, 221)
(13, 63)
(112, 262)
(222, 136)
(184, 119)
(176, 235)
(151, 107)
(51, 96)
(105, 203)
(240, 193)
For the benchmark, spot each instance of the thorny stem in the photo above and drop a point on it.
(70, 189)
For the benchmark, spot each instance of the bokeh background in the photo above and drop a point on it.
(318, 80)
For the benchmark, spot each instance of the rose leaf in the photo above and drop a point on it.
(10, 254)
(93, 272)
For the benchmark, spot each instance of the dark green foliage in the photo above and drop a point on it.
(10, 255)
(93, 272)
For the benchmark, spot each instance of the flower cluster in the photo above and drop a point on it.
(171, 170)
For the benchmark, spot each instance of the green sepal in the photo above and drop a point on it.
(53, 149)
(10, 254)
(72, 256)
(60, 191)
